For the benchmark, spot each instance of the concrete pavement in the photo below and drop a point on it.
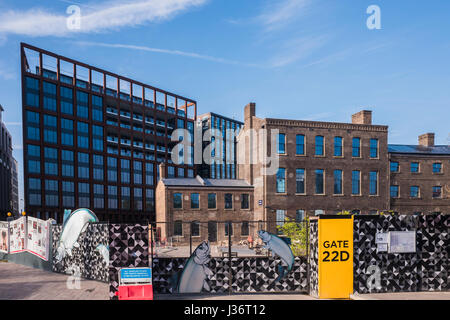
(18, 282)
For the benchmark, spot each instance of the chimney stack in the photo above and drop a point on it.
(426, 140)
(362, 117)
(249, 112)
(162, 171)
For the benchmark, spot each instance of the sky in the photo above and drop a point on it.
(296, 59)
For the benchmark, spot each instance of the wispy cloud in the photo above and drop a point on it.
(105, 16)
(278, 14)
(13, 123)
(297, 49)
(165, 51)
(5, 74)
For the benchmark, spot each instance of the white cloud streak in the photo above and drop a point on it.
(280, 13)
(102, 17)
(165, 51)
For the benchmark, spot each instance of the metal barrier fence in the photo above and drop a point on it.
(226, 239)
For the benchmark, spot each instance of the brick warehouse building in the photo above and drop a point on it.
(324, 167)
(93, 138)
(202, 207)
(420, 177)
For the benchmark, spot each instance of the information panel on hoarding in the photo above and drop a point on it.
(4, 237)
(402, 241)
(17, 235)
(38, 237)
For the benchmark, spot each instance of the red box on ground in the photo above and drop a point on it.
(135, 292)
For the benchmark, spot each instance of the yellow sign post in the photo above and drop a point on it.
(335, 257)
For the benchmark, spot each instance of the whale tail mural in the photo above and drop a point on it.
(279, 248)
(192, 279)
(74, 224)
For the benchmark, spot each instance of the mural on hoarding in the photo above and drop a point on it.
(280, 248)
(192, 279)
(4, 240)
(75, 223)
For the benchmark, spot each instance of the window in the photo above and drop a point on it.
(299, 215)
(149, 174)
(281, 143)
(97, 108)
(437, 167)
(374, 148)
(51, 161)
(67, 161)
(300, 181)
(177, 228)
(34, 191)
(82, 105)
(49, 96)
(180, 172)
(83, 165)
(195, 229)
(300, 144)
(125, 197)
(356, 179)
(112, 169)
(170, 172)
(83, 135)
(66, 96)
(437, 192)
(33, 131)
(137, 172)
(244, 228)
(245, 201)
(414, 191)
(125, 171)
(112, 197)
(97, 167)
(97, 138)
(373, 176)
(50, 134)
(338, 146)
(34, 159)
(211, 201)
(281, 216)
(66, 132)
(177, 200)
(195, 201)
(99, 200)
(149, 199)
(337, 181)
(83, 195)
(228, 201)
(319, 181)
(319, 150)
(356, 147)
(414, 167)
(281, 180)
(228, 228)
(137, 194)
(394, 166)
(51, 193)
(32, 92)
(394, 191)
(318, 212)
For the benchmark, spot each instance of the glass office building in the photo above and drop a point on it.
(223, 148)
(94, 139)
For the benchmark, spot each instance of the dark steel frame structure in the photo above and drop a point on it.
(117, 99)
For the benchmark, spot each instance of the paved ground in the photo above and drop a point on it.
(18, 282)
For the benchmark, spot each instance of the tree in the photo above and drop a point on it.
(298, 233)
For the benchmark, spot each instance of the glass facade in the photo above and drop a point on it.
(71, 137)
